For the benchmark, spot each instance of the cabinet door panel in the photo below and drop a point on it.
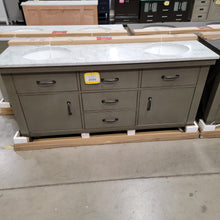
(51, 112)
(160, 106)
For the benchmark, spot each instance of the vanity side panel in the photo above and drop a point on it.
(198, 94)
(212, 111)
(16, 105)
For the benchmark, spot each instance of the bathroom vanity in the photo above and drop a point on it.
(61, 12)
(96, 88)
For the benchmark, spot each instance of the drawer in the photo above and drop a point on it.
(200, 3)
(201, 10)
(45, 82)
(110, 119)
(109, 100)
(169, 77)
(113, 80)
(199, 17)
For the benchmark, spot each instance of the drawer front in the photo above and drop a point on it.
(52, 112)
(201, 9)
(109, 100)
(199, 17)
(109, 119)
(169, 77)
(45, 82)
(200, 3)
(162, 106)
(113, 80)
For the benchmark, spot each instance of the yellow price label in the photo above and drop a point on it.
(167, 3)
(92, 78)
(217, 2)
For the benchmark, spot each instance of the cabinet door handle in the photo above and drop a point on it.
(170, 77)
(110, 101)
(46, 83)
(110, 121)
(149, 103)
(69, 107)
(110, 80)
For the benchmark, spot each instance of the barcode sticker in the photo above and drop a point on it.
(92, 78)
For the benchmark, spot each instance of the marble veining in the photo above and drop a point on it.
(98, 54)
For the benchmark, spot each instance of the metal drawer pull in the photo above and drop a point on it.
(149, 103)
(69, 107)
(110, 101)
(110, 80)
(110, 121)
(46, 83)
(170, 77)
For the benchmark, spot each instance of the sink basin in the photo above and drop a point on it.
(47, 54)
(167, 49)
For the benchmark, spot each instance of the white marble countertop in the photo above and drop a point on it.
(98, 54)
(75, 2)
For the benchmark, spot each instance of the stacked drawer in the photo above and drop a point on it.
(200, 10)
(112, 103)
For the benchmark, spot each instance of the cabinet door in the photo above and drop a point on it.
(161, 106)
(51, 112)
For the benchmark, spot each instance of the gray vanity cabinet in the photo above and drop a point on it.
(51, 102)
(51, 112)
(165, 105)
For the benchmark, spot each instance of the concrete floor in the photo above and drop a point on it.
(172, 180)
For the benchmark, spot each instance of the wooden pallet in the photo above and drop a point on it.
(210, 134)
(5, 108)
(101, 139)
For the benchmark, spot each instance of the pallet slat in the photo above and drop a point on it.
(6, 111)
(210, 134)
(20, 34)
(210, 35)
(102, 40)
(181, 30)
(46, 143)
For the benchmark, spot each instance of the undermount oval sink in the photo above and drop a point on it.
(48, 53)
(167, 49)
